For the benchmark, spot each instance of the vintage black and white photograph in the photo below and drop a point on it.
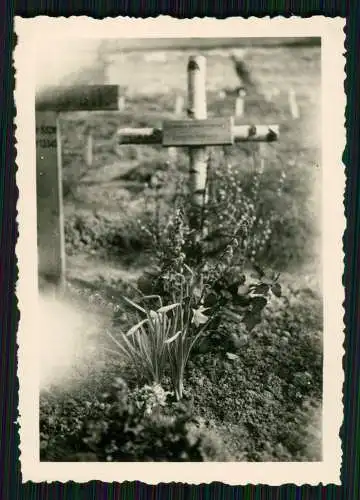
(182, 224)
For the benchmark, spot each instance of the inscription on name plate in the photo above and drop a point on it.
(49, 194)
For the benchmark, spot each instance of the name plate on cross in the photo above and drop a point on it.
(207, 132)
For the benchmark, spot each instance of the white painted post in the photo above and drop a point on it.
(107, 70)
(89, 148)
(294, 108)
(179, 105)
(108, 78)
(197, 111)
(240, 103)
(121, 103)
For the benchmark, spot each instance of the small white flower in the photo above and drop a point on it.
(198, 317)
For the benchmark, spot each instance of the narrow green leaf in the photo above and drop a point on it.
(189, 269)
(130, 351)
(152, 322)
(174, 337)
(136, 327)
(170, 307)
(193, 342)
(113, 338)
(112, 351)
(128, 344)
(148, 297)
(167, 330)
(136, 306)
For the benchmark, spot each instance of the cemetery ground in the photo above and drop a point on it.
(251, 388)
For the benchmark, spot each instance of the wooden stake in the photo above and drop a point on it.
(179, 105)
(240, 103)
(197, 111)
(294, 108)
(121, 103)
(89, 149)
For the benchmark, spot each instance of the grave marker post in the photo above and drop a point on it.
(50, 234)
(294, 108)
(240, 103)
(89, 148)
(50, 218)
(197, 110)
(179, 104)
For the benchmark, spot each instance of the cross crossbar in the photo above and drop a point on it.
(210, 132)
(80, 98)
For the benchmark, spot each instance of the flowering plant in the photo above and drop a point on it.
(163, 338)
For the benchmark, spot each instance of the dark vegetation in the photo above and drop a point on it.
(227, 364)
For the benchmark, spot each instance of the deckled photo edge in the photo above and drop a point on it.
(331, 31)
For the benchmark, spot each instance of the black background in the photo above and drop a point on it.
(11, 486)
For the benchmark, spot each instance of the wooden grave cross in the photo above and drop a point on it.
(50, 221)
(197, 132)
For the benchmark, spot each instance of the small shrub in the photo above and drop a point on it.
(264, 205)
(218, 282)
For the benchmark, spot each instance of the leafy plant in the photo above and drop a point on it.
(220, 278)
(191, 322)
(144, 344)
(163, 338)
(236, 199)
